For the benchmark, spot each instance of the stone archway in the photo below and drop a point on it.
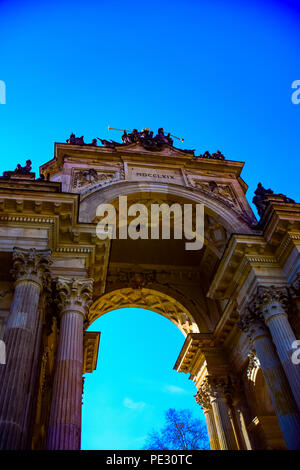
(238, 293)
(234, 216)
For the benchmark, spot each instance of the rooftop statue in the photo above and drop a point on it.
(23, 170)
(73, 140)
(146, 139)
(217, 155)
(20, 170)
(261, 198)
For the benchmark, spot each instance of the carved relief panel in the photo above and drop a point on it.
(85, 178)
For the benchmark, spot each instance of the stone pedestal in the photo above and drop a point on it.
(31, 270)
(283, 401)
(64, 430)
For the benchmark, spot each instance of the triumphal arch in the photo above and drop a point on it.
(236, 300)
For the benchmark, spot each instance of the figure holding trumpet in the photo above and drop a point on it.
(145, 137)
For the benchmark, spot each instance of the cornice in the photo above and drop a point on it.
(91, 341)
(58, 213)
(191, 350)
(129, 153)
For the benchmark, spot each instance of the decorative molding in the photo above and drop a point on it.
(73, 250)
(37, 220)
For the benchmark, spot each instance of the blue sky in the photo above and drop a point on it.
(218, 73)
(134, 383)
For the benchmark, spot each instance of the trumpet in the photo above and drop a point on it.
(175, 137)
(115, 129)
(145, 129)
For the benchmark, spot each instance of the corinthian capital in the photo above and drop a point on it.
(74, 294)
(252, 323)
(272, 300)
(202, 396)
(32, 265)
(218, 386)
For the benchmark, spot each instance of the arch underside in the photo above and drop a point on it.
(148, 299)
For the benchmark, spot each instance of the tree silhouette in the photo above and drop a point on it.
(180, 432)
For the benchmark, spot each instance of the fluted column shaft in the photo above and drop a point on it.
(30, 266)
(276, 319)
(65, 418)
(211, 429)
(203, 399)
(283, 401)
(64, 431)
(241, 414)
(224, 428)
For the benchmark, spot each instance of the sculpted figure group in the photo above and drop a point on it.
(145, 138)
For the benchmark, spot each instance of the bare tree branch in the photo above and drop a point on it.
(180, 432)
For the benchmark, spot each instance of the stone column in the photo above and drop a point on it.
(294, 292)
(242, 415)
(216, 387)
(234, 423)
(202, 398)
(273, 303)
(31, 271)
(64, 431)
(283, 401)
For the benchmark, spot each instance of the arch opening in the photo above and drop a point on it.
(134, 384)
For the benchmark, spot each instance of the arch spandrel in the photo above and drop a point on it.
(148, 299)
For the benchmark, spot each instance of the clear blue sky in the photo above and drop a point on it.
(134, 383)
(217, 73)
